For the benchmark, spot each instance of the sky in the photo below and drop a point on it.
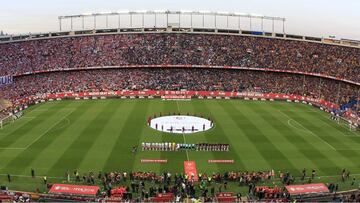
(319, 18)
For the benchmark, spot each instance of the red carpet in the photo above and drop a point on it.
(190, 169)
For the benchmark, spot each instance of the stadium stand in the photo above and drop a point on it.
(199, 62)
(179, 49)
(180, 79)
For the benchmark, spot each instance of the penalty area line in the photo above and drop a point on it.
(44, 133)
(183, 134)
(309, 131)
(340, 124)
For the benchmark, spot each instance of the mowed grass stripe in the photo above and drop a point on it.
(278, 133)
(23, 159)
(153, 107)
(309, 127)
(338, 131)
(103, 144)
(200, 157)
(174, 158)
(64, 135)
(247, 151)
(8, 156)
(216, 135)
(121, 157)
(31, 127)
(344, 143)
(307, 147)
(276, 159)
(331, 154)
(125, 109)
(344, 130)
(316, 126)
(149, 135)
(51, 146)
(29, 114)
(222, 135)
(75, 153)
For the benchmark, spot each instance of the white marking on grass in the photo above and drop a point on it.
(72, 178)
(291, 125)
(13, 148)
(28, 117)
(307, 130)
(63, 126)
(297, 111)
(19, 126)
(39, 110)
(187, 153)
(341, 125)
(27, 176)
(44, 133)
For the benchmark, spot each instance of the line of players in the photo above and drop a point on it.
(168, 146)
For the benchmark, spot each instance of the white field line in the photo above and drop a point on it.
(13, 148)
(19, 126)
(26, 176)
(289, 123)
(309, 131)
(8, 133)
(183, 134)
(44, 133)
(25, 117)
(72, 178)
(302, 111)
(341, 125)
(28, 117)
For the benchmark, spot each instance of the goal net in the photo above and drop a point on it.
(10, 118)
(353, 126)
(350, 124)
(6, 120)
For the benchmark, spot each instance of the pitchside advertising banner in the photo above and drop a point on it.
(74, 189)
(212, 94)
(4, 80)
(307, 189)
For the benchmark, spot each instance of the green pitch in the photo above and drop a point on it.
(98, 135)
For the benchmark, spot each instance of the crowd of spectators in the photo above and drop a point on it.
(179, 49)
(144, 185)
(242, 178)
(149, 184)
(352, 197)
(179, 79)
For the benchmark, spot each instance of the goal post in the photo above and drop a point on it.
(353, 126)
(6, 120)
(350, 124)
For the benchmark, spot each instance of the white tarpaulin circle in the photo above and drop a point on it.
(181, 124)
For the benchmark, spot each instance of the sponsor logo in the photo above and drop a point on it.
(153, 160)
(229, 161)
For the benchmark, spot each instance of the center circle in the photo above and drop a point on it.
(181, 124)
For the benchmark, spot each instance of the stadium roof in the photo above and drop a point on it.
(184, 12)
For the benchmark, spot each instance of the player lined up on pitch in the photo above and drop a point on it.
(172, 146)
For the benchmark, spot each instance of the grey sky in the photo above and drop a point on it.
(305, 17)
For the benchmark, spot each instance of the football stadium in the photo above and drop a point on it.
(178, 111)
